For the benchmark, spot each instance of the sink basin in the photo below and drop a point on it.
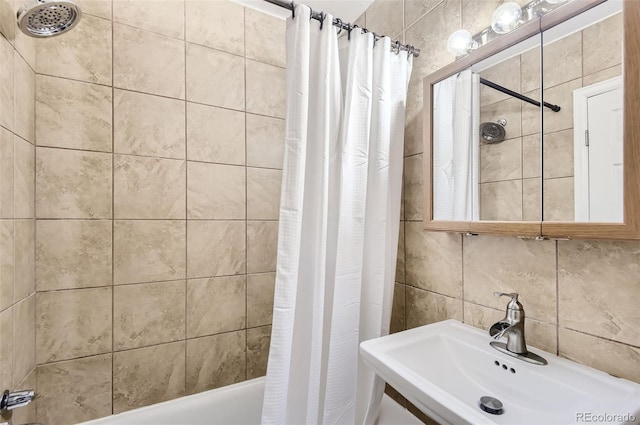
(446, 367)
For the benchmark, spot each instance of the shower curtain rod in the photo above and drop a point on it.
(554, 108)
(319, 16)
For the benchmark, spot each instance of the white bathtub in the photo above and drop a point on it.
(238, 404)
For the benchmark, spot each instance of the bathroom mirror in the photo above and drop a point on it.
(582, 155)
(529, 134)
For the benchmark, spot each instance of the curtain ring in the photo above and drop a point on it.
(322, 18)
(351, 28)
(375, 38)
(310, 13)
(410, 50)
(396, 47)
(293, 10)
(338, 23)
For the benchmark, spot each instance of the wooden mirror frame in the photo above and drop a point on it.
(630, 228)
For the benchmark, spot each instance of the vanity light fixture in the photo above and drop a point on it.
(460, 42)
(506, 17)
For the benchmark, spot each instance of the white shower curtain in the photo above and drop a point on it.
(456, 112)
(339, 222)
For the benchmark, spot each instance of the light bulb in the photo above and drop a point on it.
(459, 42)
(506, 18)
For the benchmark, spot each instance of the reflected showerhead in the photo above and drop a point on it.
(493, 132)
(46, 18)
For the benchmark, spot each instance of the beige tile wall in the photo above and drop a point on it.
(17, 211)
(159, 137)
(577, 294)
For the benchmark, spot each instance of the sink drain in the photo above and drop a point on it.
(491, 405)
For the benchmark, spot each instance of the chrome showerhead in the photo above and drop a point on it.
(46, 18)
(493, 132)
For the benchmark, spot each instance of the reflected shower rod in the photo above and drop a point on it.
(554, 108)
(319, 16)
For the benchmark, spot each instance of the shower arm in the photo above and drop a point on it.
(554, 108)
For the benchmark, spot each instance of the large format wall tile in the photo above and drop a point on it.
(415, 9)
(266, 89)
(136, 66)
(216, 305)
(215, 191)
(603, 44)
(6, 82)
(258, 342)
(6, 173)
(386, 17)
(7, 263)
(433, 260)
(149, 188)
(265, 141)
(73, 184)
(560, 95)
(148, 375)
(557, 197)
(215, 248)
(424, 307)
(6, 348)
(82, 386)
(23, 178)
(501, 200)
(218, 24)
(215, 78)
(99, 8)
(265, 38)
(215, 361)
(82, 54)
(215, 134)
(73, 114)
(148, 250)
(157, 16)
(563, 60)
(262, 246)
(260, 290)
(507, 264)
(263, 193)
(148, 125)
(413, 184)
(598, 288)
(148, 314)
(398, 309)
(616, 359)
(24, 251)
(73, 254)
(73, 323)
(24, 338)
(501, 161)
(507, 74)
(24, 95)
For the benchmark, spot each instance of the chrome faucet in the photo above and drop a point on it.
(513, 327)
(14, 400)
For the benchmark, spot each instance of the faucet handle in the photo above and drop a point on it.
(513, 304)
(513, 295)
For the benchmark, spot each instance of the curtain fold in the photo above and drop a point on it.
(339, 222)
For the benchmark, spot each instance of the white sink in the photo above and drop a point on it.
(445, 368)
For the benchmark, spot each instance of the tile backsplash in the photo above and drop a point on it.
(145, 152)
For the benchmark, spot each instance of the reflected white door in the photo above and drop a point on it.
(599, 165)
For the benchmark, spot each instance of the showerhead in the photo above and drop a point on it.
(46, 18)
(493, 132)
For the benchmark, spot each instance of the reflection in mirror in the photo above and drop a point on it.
(583, 143)
(486, 139)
